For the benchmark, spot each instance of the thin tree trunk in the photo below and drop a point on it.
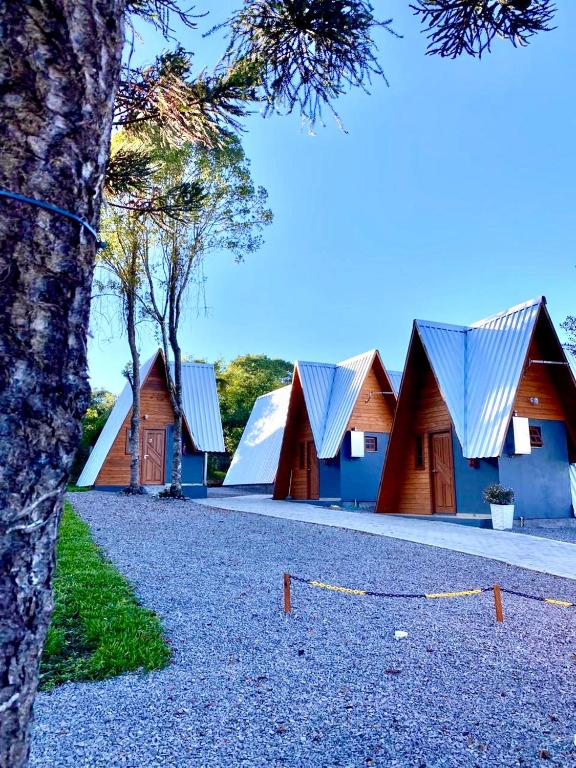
(134, 442)
(176, 479)
(59, 65)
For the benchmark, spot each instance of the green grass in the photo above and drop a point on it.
(98, 628)
(77, 488)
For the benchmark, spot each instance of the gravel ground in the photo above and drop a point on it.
(560, 533)
(328, 686)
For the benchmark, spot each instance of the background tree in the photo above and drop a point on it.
(230, 215)
(239, 384)
(101, 403)
(61, 71)
(133, 209)
(569, 325)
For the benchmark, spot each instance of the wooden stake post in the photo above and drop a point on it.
(498, 604)
(287, 596)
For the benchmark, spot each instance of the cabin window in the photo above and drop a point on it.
(370, 444)
(127, 448)
(536, 437)
(419, 452)
(302, 456)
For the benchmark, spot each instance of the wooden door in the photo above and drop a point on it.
(153, 456)
(442, 469)
(312, 470)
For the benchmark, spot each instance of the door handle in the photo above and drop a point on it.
(145, 455)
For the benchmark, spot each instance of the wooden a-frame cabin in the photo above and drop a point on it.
(488, 403)
(336, 433)
(108, 466)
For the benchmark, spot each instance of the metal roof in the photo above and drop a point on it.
(316, 380)
(478, 369)
(256, 458)
(395, 379)
(202, 407)
(201, 410)
(348, 379)
(330, 393)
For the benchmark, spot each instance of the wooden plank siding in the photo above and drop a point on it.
(539, 381)
(302, 432)
(155, 403)
(291, 430)
(377, 414)
(406, 488)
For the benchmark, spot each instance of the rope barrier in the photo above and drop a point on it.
(495, 589)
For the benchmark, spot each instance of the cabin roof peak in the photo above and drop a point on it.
(330, 394)
(478, 369)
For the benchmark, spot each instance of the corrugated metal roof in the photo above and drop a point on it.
(316, 380)
(446, 349)
(573, 486)
(478, 369)
(256, 458)
(109, 432)
(497, 349)
(330, 393)
(348, 379)
(201, 409)
(395, 379)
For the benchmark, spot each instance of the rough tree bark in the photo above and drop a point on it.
(59, 65)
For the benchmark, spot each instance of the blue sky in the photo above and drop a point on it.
(451, 197)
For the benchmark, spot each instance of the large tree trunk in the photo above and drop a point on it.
(135, 486)
(59, 64)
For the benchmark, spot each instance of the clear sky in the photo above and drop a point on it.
(451, 197)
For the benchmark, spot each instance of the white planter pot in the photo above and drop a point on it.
(502, 516)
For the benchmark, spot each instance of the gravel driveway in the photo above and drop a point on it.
(328, 686)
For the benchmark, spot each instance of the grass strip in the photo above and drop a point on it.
(98, 628)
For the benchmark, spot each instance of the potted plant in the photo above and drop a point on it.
(501, 500)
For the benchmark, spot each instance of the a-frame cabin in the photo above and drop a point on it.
(337, 426)
(108, 466)
(488, 403)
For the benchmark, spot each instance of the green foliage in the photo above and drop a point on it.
(469, 26)
(569, 325)
(98, 629)
(307, 53)
(101, 403)
(498, 494)
(239, 384)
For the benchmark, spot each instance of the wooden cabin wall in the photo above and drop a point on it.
(538, 381)
(431, 415)
(302, 432)
(377, 414)
(405, 488)
(155, 402)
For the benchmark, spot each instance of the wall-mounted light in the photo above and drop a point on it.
(534, 401)
(473, 463)
(146, 417)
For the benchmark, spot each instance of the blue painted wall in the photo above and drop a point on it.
(471, 481)
(330, 478)
(360, 478)
(192, 463)
(540, 479)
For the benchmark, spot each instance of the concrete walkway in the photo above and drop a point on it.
(537, 554)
